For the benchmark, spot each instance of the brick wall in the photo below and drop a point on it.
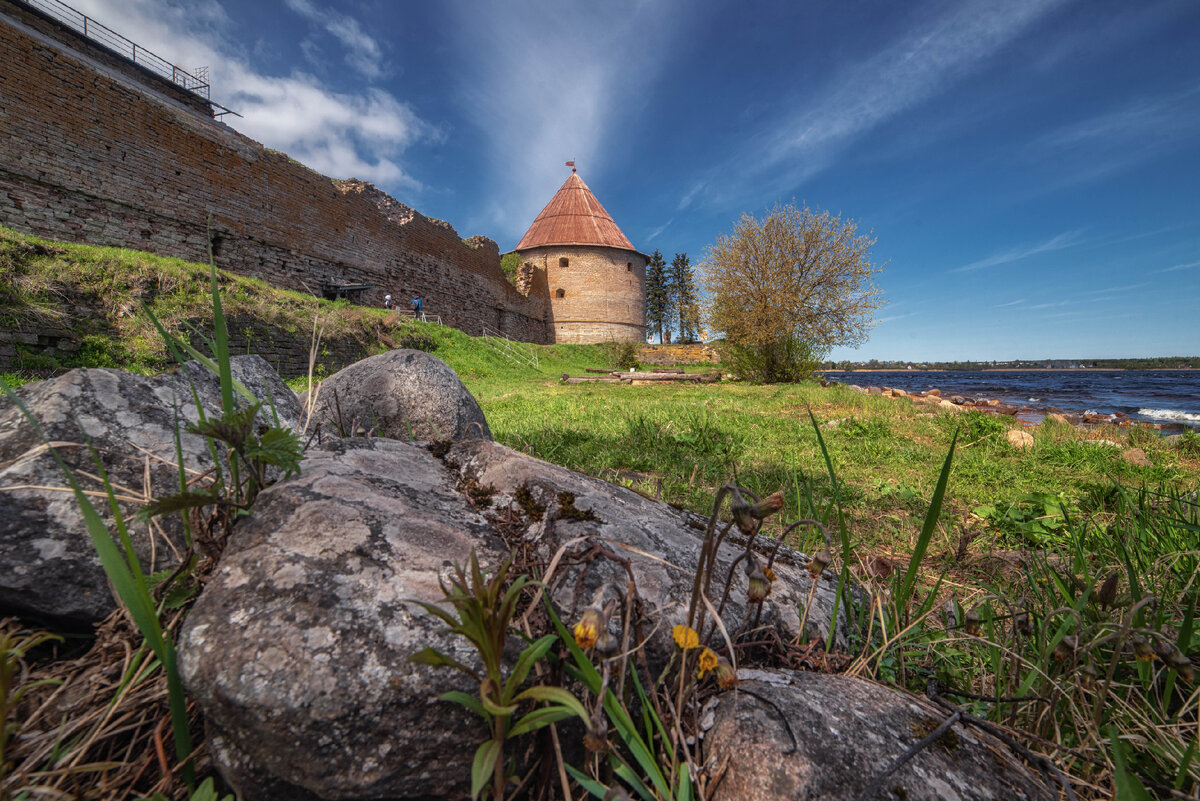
(596, 295)
(94, 150)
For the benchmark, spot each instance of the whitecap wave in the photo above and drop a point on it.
(1170, 414)
(1033, 400)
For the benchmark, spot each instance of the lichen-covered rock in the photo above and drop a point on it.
(660, 543)
(848, 731)
(296, 650)
(50, 568)
(402, 394)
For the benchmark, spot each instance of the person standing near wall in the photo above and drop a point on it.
(416, 304)
(387, 302)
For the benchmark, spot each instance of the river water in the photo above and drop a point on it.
(1167, 397)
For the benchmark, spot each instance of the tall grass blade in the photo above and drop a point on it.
(220, 334)
(931, 519)
(843, 576)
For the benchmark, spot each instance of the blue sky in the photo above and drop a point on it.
(1030, 168)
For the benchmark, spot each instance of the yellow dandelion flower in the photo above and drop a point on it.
(585, 635)
(708, 661)
(685, 637)
(587, 630)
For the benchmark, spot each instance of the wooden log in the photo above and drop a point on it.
(599, 370)
(694, 378)
(667, 370)
(598, 379)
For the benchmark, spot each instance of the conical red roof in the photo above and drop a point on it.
(574, 217)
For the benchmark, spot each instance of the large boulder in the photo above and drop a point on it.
(402, 394)
(785, 735)
(297, 649)
(50, 569)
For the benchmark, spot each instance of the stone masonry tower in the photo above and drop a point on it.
(597, 281)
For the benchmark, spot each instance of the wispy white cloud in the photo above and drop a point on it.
(1052, 305)
(657, 232)
(926, 60)
(361, 134)
(1122, 288)
(1189, 266)
(549, 82)
(889, 319)
(1140, 130)
(1010, 303)
(1064, 240)
(363, 52)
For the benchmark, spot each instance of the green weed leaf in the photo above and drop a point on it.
(471, 702)
(484, 765)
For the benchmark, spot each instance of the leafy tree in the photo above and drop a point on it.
(683, 296)
(658, 296)
(793, 284)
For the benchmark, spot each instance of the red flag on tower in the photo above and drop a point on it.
(569, 164)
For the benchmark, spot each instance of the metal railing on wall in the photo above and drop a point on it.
(195, 81)
(519, 352)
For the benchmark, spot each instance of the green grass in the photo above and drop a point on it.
(688, 440)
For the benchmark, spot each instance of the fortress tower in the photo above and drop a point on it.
(597, 281)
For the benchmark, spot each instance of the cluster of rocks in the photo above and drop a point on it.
(961, 403)
(297, 651)
(1015, 437)
(933, 397)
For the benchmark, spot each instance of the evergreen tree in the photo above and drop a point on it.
(658, 296)
(683, 296)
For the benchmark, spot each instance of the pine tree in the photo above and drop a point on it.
(682, 285)
(658, 296)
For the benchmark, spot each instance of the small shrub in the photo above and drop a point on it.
(623, 355)
(509, 263)
(785, 361)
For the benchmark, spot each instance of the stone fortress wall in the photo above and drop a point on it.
(597, 293)
(96, 149)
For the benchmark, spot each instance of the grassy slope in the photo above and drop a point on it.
(97, 293)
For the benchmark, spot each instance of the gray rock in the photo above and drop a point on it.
(402, 394)
(50, 569)
(661, 544)
(847, 732)
(296, 650)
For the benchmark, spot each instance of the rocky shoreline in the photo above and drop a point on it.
(1026, 415)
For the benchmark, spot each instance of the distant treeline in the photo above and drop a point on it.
(1152, 363)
